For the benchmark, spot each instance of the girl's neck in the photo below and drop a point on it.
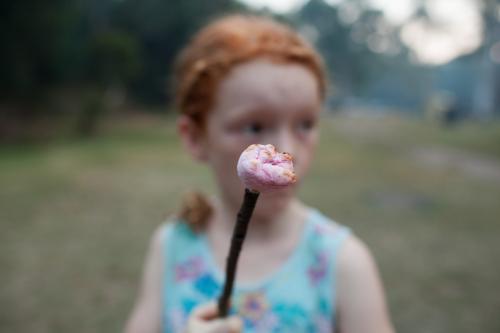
(262, 228)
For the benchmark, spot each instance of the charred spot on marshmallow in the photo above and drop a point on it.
(262, 168)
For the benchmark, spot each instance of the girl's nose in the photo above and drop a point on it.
(284, 141)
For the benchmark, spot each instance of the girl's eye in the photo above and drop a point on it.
(253, 128)
(306, 125)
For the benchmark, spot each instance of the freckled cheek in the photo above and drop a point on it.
(303, 158)
(226, 175)
(234, 141)
(225, 146)
(301, 167)
(226, 159)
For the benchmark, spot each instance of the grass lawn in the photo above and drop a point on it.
(76, 216)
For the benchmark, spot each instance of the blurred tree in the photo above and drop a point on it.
(38, 46)
(487, 94)
(92, 45)
(334, 42)
(363, 52)
(129, 46)
(162, 28)
(42, 48)
(114, 58)
(114, 61)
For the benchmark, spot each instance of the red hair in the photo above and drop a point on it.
(231, 40)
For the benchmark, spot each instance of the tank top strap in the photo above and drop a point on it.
(183, 263)
(330, 232)
(325, 241)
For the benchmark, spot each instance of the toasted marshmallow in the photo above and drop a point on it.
(262, 168)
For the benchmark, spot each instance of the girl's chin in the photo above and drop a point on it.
(273, 203)
(279, 195)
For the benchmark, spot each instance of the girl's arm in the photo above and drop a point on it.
(361, 301)
(146, 315)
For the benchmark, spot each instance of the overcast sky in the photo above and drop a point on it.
(452, 36)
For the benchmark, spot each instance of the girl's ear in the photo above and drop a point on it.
(193, 138)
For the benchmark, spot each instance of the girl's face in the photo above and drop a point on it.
(262, 102)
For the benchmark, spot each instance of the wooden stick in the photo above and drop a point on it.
(239, 233)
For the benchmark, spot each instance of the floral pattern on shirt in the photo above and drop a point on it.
(190, 269)
(297, 300)
(318, 270)
(254, 307)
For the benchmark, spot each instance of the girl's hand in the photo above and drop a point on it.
(204, 319)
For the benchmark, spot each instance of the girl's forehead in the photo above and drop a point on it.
(262, 84)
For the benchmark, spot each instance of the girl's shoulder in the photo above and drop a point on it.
(359, 288)
(324, 229)
(351, 249)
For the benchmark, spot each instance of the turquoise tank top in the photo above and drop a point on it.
(297, 297)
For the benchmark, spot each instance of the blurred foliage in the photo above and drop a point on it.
(360, 47)
(162, 28)
(114, 57)
(67, 57)
(74, 41)
(69, 50)
(40, 46)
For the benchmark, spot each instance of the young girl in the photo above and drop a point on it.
(245, 80)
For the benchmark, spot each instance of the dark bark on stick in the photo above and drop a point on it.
(239, 233)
